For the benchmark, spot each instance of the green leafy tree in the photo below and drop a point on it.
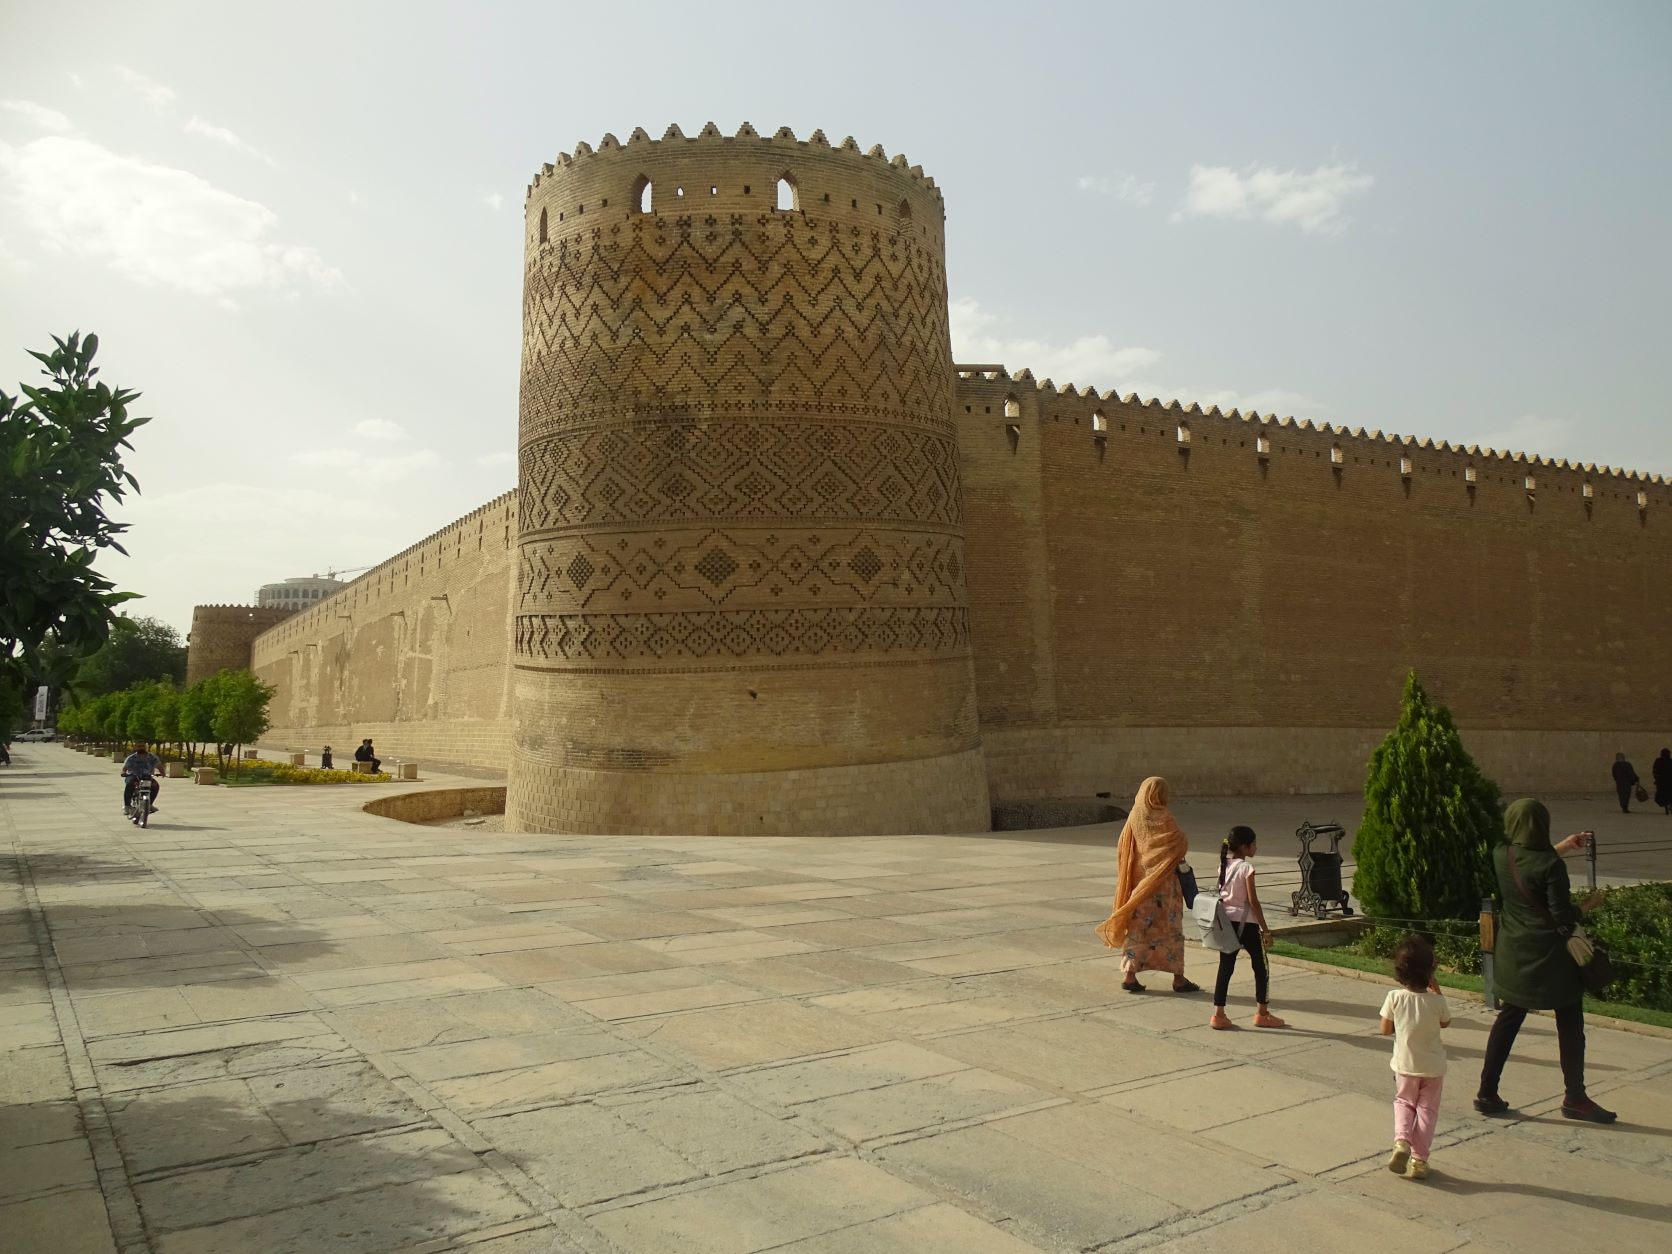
(197, 716)
(165, 716)
(61, 459)
(241, 707)
(14, 706)
(136, 719)
(137, 649)
(1431, 820)
(116, 715)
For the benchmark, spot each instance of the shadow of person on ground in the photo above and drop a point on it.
(1655, 1212)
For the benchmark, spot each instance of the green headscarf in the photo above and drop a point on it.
(1527, 823)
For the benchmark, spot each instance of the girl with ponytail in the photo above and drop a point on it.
(1242, 908)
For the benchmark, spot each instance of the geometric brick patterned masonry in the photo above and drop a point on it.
(740, 575)
(771, 552)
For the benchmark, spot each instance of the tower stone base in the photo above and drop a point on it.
(942, 794)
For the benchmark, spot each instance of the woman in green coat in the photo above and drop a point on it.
(1534, 970)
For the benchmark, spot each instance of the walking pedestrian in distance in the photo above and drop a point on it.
(1661, 773)
(1625, 779)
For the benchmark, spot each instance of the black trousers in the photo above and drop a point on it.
(1570, 1040)
(1249, 935)
(128, 790)
(1624, 791)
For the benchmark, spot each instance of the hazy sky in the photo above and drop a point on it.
(296, 228)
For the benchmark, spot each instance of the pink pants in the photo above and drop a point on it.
(1416, 1109)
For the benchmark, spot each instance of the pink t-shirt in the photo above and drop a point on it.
(1234, 893)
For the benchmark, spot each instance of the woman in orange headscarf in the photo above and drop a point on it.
(1147, 920)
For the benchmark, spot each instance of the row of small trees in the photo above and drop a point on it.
(225, 709)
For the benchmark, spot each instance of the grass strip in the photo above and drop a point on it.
(1343, 957)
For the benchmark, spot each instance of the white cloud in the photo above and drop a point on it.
(1127, 187)
(378, 429)
(221, 135)
(10, 258)
(979, 336)
(368, 465)
(494, 201)
(154, 224)
(1311, 201)
(76, 80)
(501, 458)
(38, 115)
(160, 98)
(1095, 361)
(354, 198)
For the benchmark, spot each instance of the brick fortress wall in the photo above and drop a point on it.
(414, 653)
(739, 592)
(1240, 618)
(764, 528)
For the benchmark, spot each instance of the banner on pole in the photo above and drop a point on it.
(41, 703)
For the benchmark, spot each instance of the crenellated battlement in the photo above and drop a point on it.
(780, 144)
(716, 181)
(1023, 385)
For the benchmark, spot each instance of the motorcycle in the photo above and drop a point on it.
(139, 808)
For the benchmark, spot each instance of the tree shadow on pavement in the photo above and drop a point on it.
(237, 1165)
(122, 946)
(74, 868)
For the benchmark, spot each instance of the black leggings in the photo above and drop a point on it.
(1249, 935)
(1570, 1040)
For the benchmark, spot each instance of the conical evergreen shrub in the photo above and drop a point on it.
(1431, 820)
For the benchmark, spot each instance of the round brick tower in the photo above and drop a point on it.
(739, 599)
(221, 637)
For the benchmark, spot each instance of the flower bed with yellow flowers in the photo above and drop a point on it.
(256, 771)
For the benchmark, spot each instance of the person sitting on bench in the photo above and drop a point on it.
(364, 754)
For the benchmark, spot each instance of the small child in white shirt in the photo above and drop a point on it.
(1413, 1015)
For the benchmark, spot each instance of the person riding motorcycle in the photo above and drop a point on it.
(141, 762)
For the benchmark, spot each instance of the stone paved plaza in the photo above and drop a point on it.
(273, 1023)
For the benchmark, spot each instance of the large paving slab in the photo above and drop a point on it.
(272, 1024)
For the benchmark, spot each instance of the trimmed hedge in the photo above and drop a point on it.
(1634, 922)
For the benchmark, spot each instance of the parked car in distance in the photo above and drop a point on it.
(38, 733)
